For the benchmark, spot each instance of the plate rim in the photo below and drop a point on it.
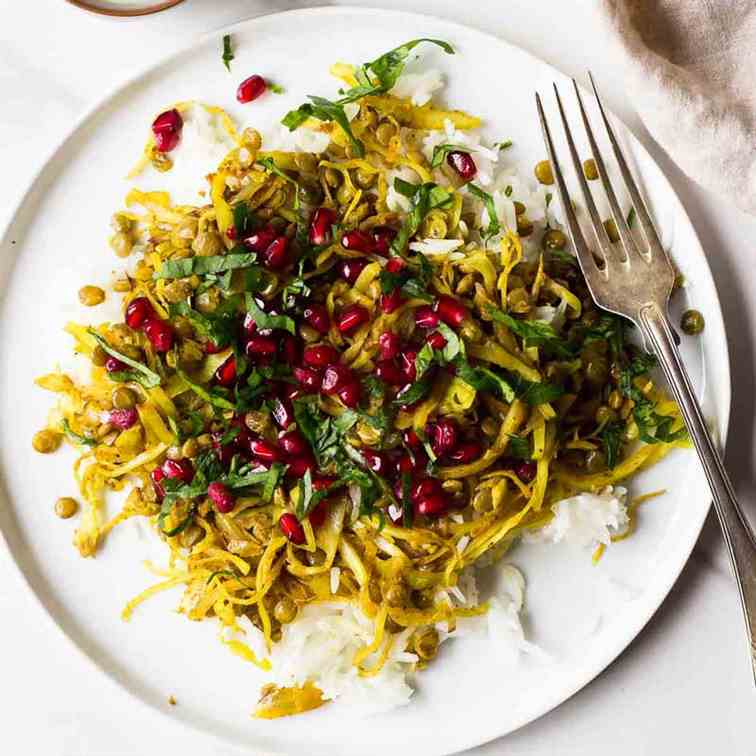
(723, 381)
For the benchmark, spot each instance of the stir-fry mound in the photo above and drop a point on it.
(341, 381)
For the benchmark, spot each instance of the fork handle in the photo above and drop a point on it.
(737, 533)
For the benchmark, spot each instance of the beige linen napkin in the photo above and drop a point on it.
(692, 79)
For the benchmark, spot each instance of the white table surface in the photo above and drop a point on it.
(684, 685)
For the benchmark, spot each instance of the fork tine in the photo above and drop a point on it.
(588, 264)
(628, 242)
(598, 227)
(644, 219)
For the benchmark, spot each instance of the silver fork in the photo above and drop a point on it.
(637, 283)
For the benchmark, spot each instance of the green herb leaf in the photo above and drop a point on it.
(228, 53)
(212, 396)
(142, 374)
(323, 110)
(407, 508)
(441, 152)
(494, 226)
(202, 266)
(275, 88)
(323, 432)
(484, 379)
(505, 145)
(218, 326)
(263, 320)
(630, 217)
(425, 197)
(534, 333)
(243, 220)
(519, 447)
(76, 437)
(611, 438)
(387, 68)
(412, 393)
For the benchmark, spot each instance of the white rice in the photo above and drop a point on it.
(586, 519)
(432, 247)
(418, 87)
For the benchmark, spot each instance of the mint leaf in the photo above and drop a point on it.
(211, 396)
(141, 373)
(228, 53)
(534, 333)
(263, 320)
(205, 265)
(494, 226)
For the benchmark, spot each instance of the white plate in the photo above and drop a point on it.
(584, 616)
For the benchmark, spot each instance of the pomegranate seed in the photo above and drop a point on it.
(424, 488)
(350, 394)
(411, 440)
(260, 346)
(307, 378)
(335, 377)
(395, 264)
(300, 465)
(358, 241)
(290, 349)
(382, 238)
(426, 318)
(433, 506)
(114, 365)
(166, 129)
(463, 164)
(138, 311)
(293, 443)
(375, 461)
(211, 348)
(274, 256)
(466, 452)
(260, 240)
(248, 324)
(444, 436)
(283, 415)
(451, 311)
(388, 371)
(123, 418)
(292, 528)
(319, 355)
(407, 361)
(319, 514)
(321, 482)
(388, 341)
(225, 375)
(220, 496)
(436, 340)
(320, 225)
(156, 476)
(526, 471)
(351, 268)
(316, 315)
(160, 334)
(226, 453)
(181, 469)
(264, 450)
(407, 465)
(231, 233)
(352, 317)
(389, 302)
(251, 88)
